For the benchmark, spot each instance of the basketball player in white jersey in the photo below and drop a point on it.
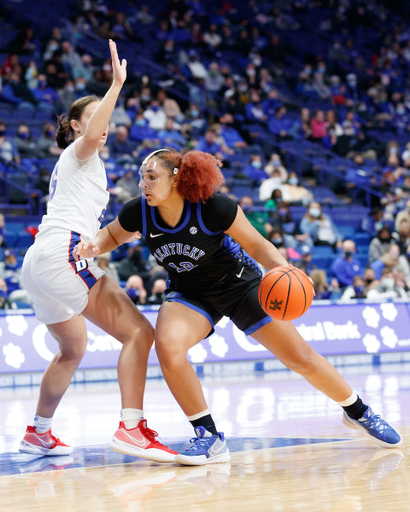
(64, 291)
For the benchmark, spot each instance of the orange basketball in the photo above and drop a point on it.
(285, 293)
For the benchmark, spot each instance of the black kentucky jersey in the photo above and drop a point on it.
(197, 254)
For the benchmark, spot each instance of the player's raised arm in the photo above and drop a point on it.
(253, 242)
(97, 127)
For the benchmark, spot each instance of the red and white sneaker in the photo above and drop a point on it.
(140, 442)
(43, 444)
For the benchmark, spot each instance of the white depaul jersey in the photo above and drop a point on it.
(78, 195)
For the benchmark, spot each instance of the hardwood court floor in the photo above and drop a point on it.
(290, 452)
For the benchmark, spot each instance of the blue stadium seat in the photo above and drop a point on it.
(322, 251)
(24, 241)
(15, 227)
(347, 232)
(362, 239)
(9, 239)
(322, 263)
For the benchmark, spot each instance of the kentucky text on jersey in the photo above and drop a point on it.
(180, 249)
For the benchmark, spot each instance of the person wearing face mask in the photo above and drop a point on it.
(320, 227)
(258, 219)
(155, 116)
(232, 137)
(387, 288)
(66, 96)
(81, 88)
(8, 150)
(140, 130)
(24, 143)
(357, 290)
(254, 170)
(157, 293)
(298, 195)
(381, 243)
(45, 95)
(133, 264)
(46, 144)
(346, 266)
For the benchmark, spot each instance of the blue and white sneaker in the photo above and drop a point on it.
(376, 427)
(205, 449)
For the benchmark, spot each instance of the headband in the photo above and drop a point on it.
(153, 153)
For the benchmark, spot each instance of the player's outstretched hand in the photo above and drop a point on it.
(119, 69)
(85, 250)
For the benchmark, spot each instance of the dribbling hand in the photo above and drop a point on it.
(119, 69)
(85, 250)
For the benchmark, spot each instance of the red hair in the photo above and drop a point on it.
(199, 174)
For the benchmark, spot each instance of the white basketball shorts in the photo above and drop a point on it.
(57, 284)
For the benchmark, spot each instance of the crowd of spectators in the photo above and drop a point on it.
(226, 79)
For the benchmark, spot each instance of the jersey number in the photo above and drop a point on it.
(53, 184)
(186, 266)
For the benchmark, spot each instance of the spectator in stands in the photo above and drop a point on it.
(280, 125)
(274, 182)
(333, 128)
(373, 222)
(207, 144)
(271, 103)
(141, 131)
(155, 116)
(357, 290)
(212, 38)
(44, 94)
(275, 164)
(254, 170)
(127, 188)
(70, 57)
(404, 236)
(133, 264)
(5, 303)
(301, 129)
(381, 243)
(121, 148)
(143, 15)
(66, 96)
(214, 80)
(157, 293)
(318, 126)
(387, 288)
(8, 150)
(320, 227)
(346, 266)
(171, 137)
(169, 106)
(194, 67)
(16, 91)
(256, 218)
(135, 290)
(254, 109)
(46, 144)
(232, 137)
(294, 192)
(391, 260)
(104, 263)
(320, 285)
(43, 183)
(370, 278)
(305, 262)
(402, 215)
(25, 144)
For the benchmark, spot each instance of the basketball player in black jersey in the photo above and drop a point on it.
(200, 238)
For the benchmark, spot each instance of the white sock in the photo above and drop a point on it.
(198, 415)
(42, 424)
(131, 417)
(349, 401)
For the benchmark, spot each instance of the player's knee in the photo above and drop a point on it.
(170, 355)
(74, 351)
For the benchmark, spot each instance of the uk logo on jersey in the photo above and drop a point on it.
(193, 230)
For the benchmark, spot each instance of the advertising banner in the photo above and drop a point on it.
(336, 329)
